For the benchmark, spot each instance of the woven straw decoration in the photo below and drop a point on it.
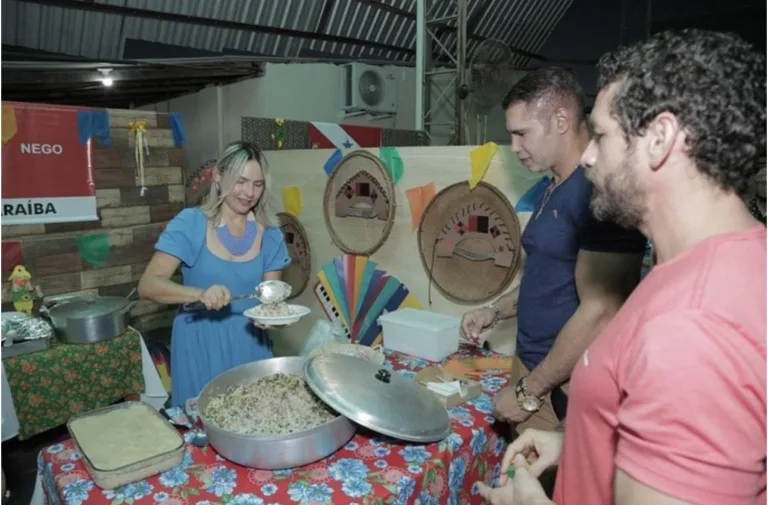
(297, 274)
(469, 242)
(359, 204)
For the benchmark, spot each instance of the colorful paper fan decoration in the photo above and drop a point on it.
(355, 291)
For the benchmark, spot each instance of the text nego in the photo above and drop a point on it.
(55, 149)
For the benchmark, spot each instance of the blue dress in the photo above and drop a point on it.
(206, 343)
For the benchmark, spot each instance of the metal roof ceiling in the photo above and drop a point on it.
(385, 29)
(78, 82)
(161, 42)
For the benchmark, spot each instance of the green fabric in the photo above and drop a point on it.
(94, 248)
(50, 386)
(23, 295)
(391, 159)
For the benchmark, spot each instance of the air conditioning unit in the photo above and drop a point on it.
(369, 89)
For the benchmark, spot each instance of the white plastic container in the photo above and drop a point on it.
(421, 333)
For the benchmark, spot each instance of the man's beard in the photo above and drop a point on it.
(620, 199)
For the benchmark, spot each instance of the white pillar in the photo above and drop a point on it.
(220, 116)
(421, 39)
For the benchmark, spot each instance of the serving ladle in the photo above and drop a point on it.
(194, 424)
(267, 292)
(199, 437)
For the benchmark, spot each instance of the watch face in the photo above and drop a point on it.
(530, 404)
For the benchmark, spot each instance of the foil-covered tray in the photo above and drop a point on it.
(23, 334)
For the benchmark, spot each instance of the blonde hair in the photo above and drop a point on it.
(231, 166)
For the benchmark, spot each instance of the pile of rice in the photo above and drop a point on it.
(281, 309)
(278, 404)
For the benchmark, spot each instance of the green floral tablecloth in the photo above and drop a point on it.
(50, 386)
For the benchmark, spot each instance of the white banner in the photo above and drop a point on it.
(48, 210)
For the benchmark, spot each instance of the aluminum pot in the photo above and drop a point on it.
(271, 452)
(89, 319)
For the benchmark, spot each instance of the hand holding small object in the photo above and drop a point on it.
(539, 449)
(474, 322)
(517, 486)
(215, 297)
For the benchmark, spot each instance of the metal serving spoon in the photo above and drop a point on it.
(267, 292)
(199, 437)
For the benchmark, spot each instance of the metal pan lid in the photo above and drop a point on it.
(379, 399)
(89, 307)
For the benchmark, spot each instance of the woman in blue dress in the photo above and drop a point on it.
(225, 247)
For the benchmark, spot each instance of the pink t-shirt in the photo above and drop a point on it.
(673, 392)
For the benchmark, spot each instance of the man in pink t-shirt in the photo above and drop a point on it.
(668, 405)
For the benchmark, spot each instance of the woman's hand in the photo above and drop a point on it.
(260, 325)
(215, 297)
(266, 326)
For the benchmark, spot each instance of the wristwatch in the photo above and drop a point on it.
(525, 400)
(496, 313)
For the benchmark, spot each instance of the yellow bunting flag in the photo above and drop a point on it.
(480, 158)
(9, 123)
(292, 200)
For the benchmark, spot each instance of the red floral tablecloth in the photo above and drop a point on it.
(369, 470)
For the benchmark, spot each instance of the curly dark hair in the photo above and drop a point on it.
(552, 87)
(714, 83)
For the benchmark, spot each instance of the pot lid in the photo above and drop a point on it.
(85, 308)
(379, 399)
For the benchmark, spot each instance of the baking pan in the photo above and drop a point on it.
(135, 471)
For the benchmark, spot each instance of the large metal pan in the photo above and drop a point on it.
(88, 319)
(276, 452)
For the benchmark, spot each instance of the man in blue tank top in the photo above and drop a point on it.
(577, 272)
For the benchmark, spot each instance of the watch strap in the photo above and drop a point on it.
(496, 313)
(523, 396)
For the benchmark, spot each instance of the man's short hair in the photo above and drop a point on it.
(548, 89)
(714, 83)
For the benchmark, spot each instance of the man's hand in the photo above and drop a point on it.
(502, 495)
(524, 489)
(539, 449)
(506, 408)
(474, 322)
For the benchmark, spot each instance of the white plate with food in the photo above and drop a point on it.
(280, 314)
